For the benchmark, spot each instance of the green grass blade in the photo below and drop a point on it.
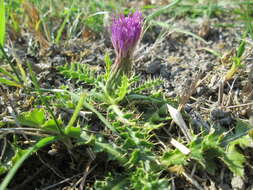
(101, 117)
(60, 31)
(22, 73)
(161, 10)
(87, 105)
(43, 142)
(8, 74)
(9, 82)
(11, 64)
(43, 99)
(108, 64)
(168, 26)
(77, 110)
(107, 147)
(91, 108)
(2, 22)
(216, 53)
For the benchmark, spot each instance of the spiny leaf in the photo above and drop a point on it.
(234, 160)
(147, 85)
(78, 71)
(123, 89)
(33, 118)
(174, 157)
(108, 64)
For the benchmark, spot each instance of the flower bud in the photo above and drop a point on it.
(125, 35)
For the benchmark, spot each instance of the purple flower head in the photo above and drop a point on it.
(125, 33)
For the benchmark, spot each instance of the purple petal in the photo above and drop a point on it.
(126, 32)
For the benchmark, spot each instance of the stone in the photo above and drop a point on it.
(154, 67)
(237, 183)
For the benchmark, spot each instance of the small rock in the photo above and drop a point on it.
(154, 67)
(214, 82)
(174, 59)
(224, 187)
(221, 117)
(58, 60)
(204, 28)
(178, 70)
(237, 182)
(226, 121)
(201, 90)
(218, 114)
(207, 66)
(40, 67)
(165, 71)
(188, 108)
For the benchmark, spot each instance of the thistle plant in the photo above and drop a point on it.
(125, 35)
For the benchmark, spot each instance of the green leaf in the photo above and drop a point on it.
(35, 118)
(23, 73)
(207, 149)
(74, 132)
(145, 178)
(60, 30)
(77, 110)
(174, 157)
(242, 129)
(234, 160)
(2, 70)
(147, 85)
(108, 64)
(51, 125)
(6, 158)
(79, 71)
(111, 182)
(241, 49)
(197, 152)
(135, 156)
(123, 89)
(110, 148)
(211, 156)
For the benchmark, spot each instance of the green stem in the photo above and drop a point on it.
(122, 66)
(43, 142)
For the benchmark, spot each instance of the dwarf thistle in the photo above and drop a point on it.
(125, 34)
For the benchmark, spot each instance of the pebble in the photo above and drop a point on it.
(206, 66)
(237, 183)
(201, 90)
(221, 117)
(154, 67)
(224, 187)
(165, 71)
(58, 60)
